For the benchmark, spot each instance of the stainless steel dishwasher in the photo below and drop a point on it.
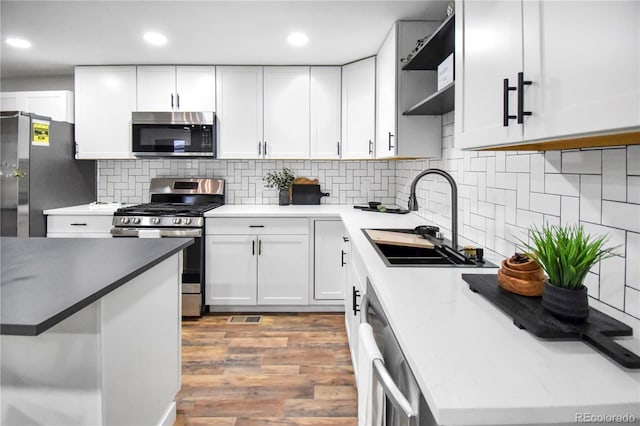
(404, 403)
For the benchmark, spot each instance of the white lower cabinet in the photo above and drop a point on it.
(257, 261)
(354, 290)
(329, 260)
(79, 226)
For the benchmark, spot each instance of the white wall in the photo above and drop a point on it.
(18, 84)
(501, 194)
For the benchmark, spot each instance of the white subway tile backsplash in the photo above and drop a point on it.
(633, 189)
(517, 163)
(592, 282)
(633, 260)
(614, 174)
(522, 185)
(585, 162)
(537, 172)
(553, 161)
(632, 302)
(633, 160)
(527, 219)
(562, 184)
(569, 210)
(590, 198)
(612, 288)
(545, 203)
(621, 215)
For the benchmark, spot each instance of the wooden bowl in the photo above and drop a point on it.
(532, 275)
(531, 265)
(521, 287)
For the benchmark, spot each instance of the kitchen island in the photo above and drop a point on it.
(90, 330)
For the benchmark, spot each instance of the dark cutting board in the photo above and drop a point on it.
(306, 194)
(527, 312)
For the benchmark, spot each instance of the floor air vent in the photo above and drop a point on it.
(245, 319)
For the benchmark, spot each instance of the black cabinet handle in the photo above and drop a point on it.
(177, 100)
(338, 149)
(505, 102)
(345, 239)
(253, 247)
(354, 297)
(390, 136)
(370, 147)
(172, 101)
(521, 83)
(342, 253)
(259, 148)
(265, 148)
(259, 247)
(78, 224)
(256, 226)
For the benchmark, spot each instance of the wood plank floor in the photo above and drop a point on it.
(291, 369)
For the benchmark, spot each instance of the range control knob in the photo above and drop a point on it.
(124, 220)
(187, 220)
(177, 220)
(155, 220)
(135, 220)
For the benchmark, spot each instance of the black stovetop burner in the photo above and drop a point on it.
(167, 209)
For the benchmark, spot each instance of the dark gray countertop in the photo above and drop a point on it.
(45, 280)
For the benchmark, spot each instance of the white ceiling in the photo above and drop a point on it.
(68, 33)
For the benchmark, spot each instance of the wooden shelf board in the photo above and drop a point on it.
(436, 48)
(616, 139)
(438, 103)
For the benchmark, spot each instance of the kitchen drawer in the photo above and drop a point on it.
(78, 224)
(257, 226)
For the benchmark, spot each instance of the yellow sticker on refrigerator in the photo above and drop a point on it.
(40, 132)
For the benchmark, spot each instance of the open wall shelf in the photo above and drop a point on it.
(438, 103)
(436, 48)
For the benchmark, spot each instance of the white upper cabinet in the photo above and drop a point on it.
(359, 109)
(57, 104)
(397, 91)
(286, 112)
(239, 112)
(325, 88)
(536, 71)
(176, 88)
(105, 97)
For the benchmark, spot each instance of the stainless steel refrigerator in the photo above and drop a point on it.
(38, 172)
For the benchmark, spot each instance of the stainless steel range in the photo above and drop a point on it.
(176, 209)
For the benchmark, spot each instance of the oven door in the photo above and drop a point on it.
(192, 262)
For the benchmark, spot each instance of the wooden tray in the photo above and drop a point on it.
(527, 313)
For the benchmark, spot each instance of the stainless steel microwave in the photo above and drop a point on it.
(173, 134)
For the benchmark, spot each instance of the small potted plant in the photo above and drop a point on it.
(282, 181)
(566, 254)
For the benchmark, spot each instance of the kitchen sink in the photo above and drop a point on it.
(440, 255)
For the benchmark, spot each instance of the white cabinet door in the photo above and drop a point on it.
(283, 270)
(353, 296)
(196, 88)
(330, 261)
(57, 104)
(286, 112)
(105, 99)
(324, 93)
(492, 45)
(359, 109)
(386, 104)
(583, 80)
(231, 276)
(156, 88)
(239, 112)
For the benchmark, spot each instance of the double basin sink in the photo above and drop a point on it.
(440, 255)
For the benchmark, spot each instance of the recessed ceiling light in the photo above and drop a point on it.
(18, 42)
(156, 39)
(297, 39)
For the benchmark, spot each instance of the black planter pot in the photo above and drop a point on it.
(566, 304)
(283, 197)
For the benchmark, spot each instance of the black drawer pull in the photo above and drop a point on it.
(78, 224)
(256, 226)
(253, 247)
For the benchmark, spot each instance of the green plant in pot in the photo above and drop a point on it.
(282, 181)
(566, 254)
